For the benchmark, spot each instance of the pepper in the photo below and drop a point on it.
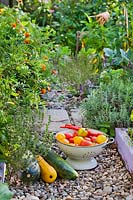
(70, 126)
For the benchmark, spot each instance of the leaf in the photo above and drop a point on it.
(5, 193)
(108, 52)
(130, 55)
(124, 54)
(14, 94)
(117, 61)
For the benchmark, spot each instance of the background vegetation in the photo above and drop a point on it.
(42, 42)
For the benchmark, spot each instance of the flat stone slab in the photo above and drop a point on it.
(58, 117)
(125, 148)
(76, 116)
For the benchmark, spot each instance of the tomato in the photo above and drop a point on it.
(68, 135)
(101, 139)
(78, 140)
(71, 140)
(75, 133)
(60, 136)
(82, 132)
(13, 25)
(85, 143)
(27, 41)
(93, 138)
(92, 132)
(27, 34)
(43, 67)
(87, 138)
(43, 91)
(64, 141)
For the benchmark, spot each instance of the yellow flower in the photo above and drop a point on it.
(2, 10)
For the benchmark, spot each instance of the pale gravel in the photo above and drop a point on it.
(108, 181)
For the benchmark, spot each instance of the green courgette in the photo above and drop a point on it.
(63, 169)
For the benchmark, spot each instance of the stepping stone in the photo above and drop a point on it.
(58, 118)
(76, 116)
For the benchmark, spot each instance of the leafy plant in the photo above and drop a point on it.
(24, 70)
(118, 58)
(109, 106)
(77, 71)
(22, 136)
(5, 193)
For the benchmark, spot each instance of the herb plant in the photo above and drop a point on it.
(109, 106)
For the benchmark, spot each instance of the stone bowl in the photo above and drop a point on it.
(82, 157)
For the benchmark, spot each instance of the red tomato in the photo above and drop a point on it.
(71, 140)
(93, 138)
(75, 133)
(68, 135)
(86, 143)
(92, 132)
(87, 138)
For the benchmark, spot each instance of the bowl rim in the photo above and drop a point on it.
(97, 145)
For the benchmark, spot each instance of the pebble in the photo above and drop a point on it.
(130, 197)
(30, 197)
(68, 198)
(107, 189)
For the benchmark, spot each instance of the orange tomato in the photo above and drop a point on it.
(60, 136)
(27, 34)
(13, 25)
(27, 41)
(43, 67)
(43, 91)
(64, 141)
(77, 140)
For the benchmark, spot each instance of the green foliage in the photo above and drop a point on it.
(20, 134)
(109, 105)
(118, 58)
(77, 71)
(25, 69)
(5, 193)
(20, 62)
(130, 133)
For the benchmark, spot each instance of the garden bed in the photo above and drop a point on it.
(125, 148)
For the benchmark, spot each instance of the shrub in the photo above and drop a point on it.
(25, 69)
(109, 106)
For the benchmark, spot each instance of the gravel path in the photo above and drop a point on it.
(108, 181)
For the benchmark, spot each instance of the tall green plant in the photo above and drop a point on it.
(109, 106)
(24, 70)
(77, 71)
